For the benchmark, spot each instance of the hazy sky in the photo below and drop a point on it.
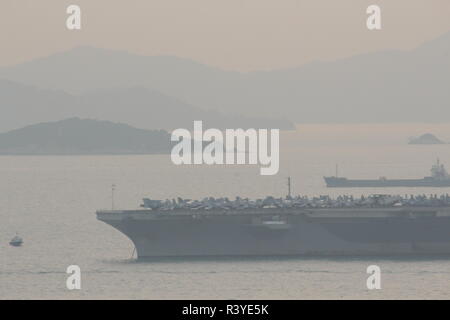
(232, 34)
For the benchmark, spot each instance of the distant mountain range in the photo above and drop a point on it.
(83, 136)
(143, 108)
(391, 86)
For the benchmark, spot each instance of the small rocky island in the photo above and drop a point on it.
(426, 138)
(77, 136)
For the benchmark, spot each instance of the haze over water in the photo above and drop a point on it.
(51, 201)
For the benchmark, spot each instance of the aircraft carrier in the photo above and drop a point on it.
(439, 178)
(345, 226)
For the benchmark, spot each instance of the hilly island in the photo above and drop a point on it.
(84, 137)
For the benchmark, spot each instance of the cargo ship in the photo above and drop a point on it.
(291, 226)
(439, 178)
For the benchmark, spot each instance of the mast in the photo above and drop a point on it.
(113, 188)
(289, 187)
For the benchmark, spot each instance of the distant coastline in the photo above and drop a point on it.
(75, 136)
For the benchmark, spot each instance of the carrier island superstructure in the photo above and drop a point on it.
(374, 225)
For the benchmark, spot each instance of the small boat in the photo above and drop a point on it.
(16, 241)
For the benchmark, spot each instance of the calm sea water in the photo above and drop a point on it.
(51, 202)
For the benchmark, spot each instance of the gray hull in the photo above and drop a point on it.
(334, 182)
(280, 232)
